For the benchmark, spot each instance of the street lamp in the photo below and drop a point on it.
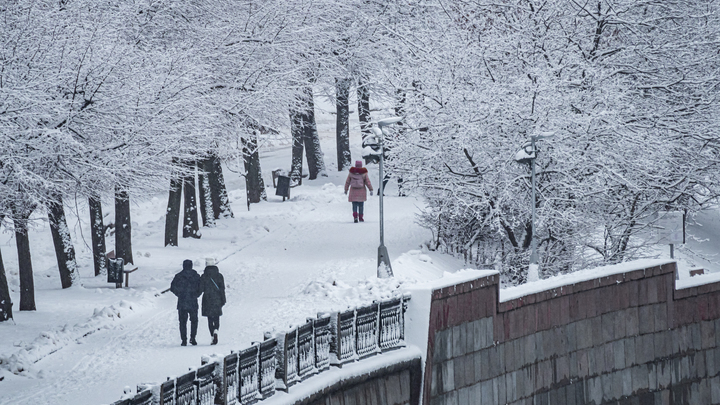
(384, 269)
(527, 154)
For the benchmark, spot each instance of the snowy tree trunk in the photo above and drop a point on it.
(123, 228)
(190, 214)
(204, 191)
(5, 301)
(254, 183)
(97, 233)
(311, 139)
(296, 131)
(342, 127)
(27, 285)
(219, 191)
(364, 108)
(172, 216)
(64, 249)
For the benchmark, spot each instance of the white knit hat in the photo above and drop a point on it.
(210, 261)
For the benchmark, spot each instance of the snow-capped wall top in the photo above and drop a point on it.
(697, 281)
(511, 293)
(451, 279)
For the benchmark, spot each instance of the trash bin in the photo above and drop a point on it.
(283, 187)
(115, 271)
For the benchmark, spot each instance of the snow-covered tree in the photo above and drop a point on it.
(627, 89)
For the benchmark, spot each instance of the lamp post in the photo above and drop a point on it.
(527, 154)
(384, 269)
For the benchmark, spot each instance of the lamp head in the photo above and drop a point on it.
(543, 135)
(388, 121)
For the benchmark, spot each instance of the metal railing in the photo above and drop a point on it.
(255, 373)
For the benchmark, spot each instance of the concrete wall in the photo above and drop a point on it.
(394, 384)
(629, 338)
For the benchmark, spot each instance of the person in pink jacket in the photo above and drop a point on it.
(356, 182)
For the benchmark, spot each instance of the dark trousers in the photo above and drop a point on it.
(358, 207)
(213, 323)
(183, 315)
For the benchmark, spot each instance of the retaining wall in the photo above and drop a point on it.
(625, 338)
(395, 384)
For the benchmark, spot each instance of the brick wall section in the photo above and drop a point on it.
(629, 338)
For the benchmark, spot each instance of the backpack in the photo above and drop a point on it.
(357, 181)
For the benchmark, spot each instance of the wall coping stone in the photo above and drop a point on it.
(583, 280)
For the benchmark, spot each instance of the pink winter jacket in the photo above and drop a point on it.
(356, 182)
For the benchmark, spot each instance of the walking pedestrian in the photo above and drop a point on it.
(212, 285)
(186, 286)
(356, 182)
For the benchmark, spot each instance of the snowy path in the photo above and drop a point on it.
(282, 262)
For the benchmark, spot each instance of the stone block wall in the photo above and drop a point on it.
(628, 338)
(394, 384)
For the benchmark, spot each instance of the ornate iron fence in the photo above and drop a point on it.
(230, 379)
(306, 350)
(249, 373)
(167, 393)
(205, 384)
(392, 324)
(277, 363)
(268, 365)
(142, 398)
(185, 389)
(366, 325)
(323, 337)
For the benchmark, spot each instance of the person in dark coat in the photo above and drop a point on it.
(356, 182)
(186, 286)
(212, 285)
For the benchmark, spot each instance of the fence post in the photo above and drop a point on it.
(287, 364)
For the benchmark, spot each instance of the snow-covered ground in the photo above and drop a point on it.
(282, 262)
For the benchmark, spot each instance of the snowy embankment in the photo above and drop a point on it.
(22, 362)
(282, 262)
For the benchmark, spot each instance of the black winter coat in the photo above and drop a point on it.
(212, 285)
(186, 285)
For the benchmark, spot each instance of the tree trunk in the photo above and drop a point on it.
(190, 217)
(27, 285)
(204, 191)
(254, 183)
(123, 228)
(97, 233)
(296, 131)
(5, 301)
(364, 109)
(64, 249)
(342, 126)
(217, 173)
(172, 216)
(311, 139)
(400, 98)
